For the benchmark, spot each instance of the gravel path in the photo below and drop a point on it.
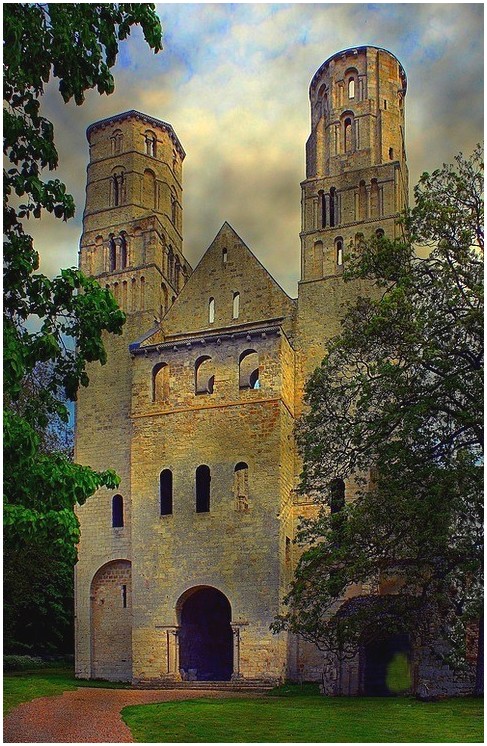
(86, 715)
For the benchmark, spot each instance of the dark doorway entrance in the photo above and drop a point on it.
(206, 638)
(386, 670)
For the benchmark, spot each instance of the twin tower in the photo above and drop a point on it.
(181, 572)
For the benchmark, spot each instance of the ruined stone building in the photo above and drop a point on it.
(183, 568)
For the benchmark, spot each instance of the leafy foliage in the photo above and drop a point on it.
(396, 410)
(77, 43)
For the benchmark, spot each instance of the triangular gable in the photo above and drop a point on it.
(227, 267)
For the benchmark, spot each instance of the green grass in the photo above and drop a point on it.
(307, 719)
(22, 686)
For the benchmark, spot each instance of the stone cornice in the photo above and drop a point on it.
(110, 121)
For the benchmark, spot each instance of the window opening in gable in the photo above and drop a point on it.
(165, 492)
(203, 479)
(236, 306)
(211, 310)
(117, 511)
(224, 256)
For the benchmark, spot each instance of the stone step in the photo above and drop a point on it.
(254, 685)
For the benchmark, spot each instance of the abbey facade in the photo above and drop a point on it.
(183, 568)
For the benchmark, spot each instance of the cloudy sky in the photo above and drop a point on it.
(233, 82)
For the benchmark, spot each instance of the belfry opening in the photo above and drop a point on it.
(205, 635)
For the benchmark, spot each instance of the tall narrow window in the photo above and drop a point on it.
(211, 310)
(374, 199)
(150, 143)
(123, 250)
(322, 208)
(362, 201)
(165, 491)
(173, 208)
(117, 511)
(351, 88)
(149, 189)
(339, 251)
(241, 486)
(204, 378)
(348, 135)
(236, 305)
(337, 495)
(224, 256)
(333, 216)
(203, 479)
(249, 370)
(124, 596)
(112, 253)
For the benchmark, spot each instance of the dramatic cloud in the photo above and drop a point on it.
(233, 81)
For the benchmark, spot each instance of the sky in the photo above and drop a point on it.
(233, 82)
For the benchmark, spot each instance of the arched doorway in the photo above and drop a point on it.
(205, 636)
(111, 622)
(386, 666)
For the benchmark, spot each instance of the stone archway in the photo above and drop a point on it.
(111, 622)
(205, 635)
(386, 666)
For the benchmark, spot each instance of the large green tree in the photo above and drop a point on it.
(77, 44)
(395, 410)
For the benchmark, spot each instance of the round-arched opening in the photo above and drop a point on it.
(205, 636)
(386, 669)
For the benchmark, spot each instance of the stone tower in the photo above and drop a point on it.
(132, 244)
(356, 181)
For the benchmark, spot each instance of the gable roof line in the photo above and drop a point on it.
(214, 337)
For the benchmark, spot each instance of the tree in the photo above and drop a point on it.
(76, 43)
(396, 410)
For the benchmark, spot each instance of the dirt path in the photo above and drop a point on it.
(86, 715)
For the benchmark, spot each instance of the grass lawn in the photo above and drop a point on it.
(309, 719)
(22, 686)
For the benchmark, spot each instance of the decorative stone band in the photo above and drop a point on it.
(215, 338)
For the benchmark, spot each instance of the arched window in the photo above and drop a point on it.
(118, 188)
(241, 486)
(333, 206)
(211, 310)
(337, 495)
(112, 253)
(150, 143)
(351, 88)
(248, 370)
(379, 233)
(348, 135)
(117, 142)
(322, 208)
(374, 199)
(318, 258)
(224, 256)
(203, 479)
(204, 378)
(339, 251)
(160, 382)
(391, 154)
(236, 306)
(123, 250)
(165, 491)
(117, 511)
(362, 201)
(149, 189)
